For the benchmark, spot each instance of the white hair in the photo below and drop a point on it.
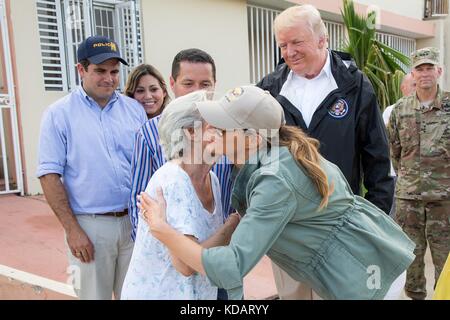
(303, 13)
(179, 114)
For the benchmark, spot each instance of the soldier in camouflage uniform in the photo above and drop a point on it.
(419, 134)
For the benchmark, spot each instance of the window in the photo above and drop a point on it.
(264, 53)
(63, 24)
(104, 21)
(336, 35)
(435, 9)
(53, 57)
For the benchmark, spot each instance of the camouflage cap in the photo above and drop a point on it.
(425, 55)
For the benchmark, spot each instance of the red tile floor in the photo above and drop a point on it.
(33, 259)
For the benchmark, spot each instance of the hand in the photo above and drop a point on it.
(80, 245)
(154, 211)
(230, 225)
(233, 220)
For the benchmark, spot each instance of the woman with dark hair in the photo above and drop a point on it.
(146, 85)
(296, 207)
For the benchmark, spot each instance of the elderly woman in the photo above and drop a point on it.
(194, 209)
(297, 207)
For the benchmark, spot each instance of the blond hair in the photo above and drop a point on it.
(305, 150)
(303, 13)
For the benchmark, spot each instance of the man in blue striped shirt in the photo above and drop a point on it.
(192, 70)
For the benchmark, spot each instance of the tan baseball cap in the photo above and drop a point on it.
(245, 107)
(427, 55)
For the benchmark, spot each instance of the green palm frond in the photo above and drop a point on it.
(384, 66)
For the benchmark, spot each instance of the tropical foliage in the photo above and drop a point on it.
(383, 65)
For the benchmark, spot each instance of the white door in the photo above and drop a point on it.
(10, 162)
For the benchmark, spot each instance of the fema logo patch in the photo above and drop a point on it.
(234, 94)
(339, 109)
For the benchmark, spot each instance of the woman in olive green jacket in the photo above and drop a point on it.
(296, 207)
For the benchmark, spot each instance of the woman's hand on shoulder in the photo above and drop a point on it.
(153, 212)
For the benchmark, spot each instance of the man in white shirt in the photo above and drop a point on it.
(408, 87)
(299, 90)
(323, 93)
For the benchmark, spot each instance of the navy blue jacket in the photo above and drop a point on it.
(348, 125)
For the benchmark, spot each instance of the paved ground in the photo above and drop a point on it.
(32, 250)
(33, 259)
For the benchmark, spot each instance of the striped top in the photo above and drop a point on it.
(148, 157)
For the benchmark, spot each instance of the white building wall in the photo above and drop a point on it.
(219, 27)
(409, 8)
(442, 42)
(446, 56)
(32, 96)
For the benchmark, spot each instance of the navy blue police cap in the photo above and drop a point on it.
(98, 49)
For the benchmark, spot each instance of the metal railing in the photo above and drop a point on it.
(435, 9)
(264, 53)
(336, 35)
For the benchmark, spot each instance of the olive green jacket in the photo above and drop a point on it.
(348, 250)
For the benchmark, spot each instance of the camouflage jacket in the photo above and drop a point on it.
(420, 147)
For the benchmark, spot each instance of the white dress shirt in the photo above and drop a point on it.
(386, 115)
(307, 94)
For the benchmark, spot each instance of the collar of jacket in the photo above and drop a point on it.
(343, 75)
(241, 176)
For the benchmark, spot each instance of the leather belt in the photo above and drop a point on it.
(115, 214)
